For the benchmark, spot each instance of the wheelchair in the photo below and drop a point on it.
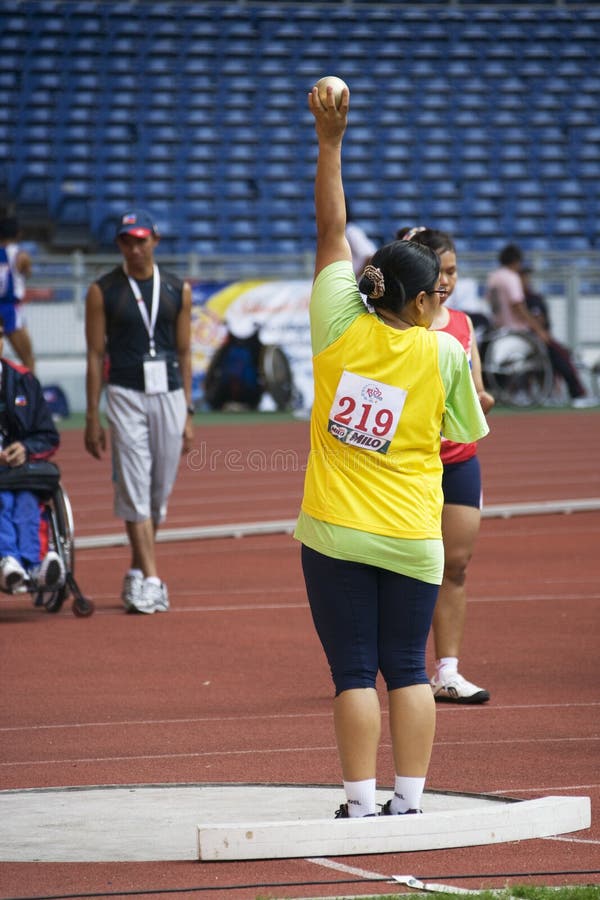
(43, 479)
(516, 367)
(243, 369)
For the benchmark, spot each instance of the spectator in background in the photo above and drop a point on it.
(15, 267)
(505, 295)
(361, 245)
(507, 299)
(560, 356)
(140, 318)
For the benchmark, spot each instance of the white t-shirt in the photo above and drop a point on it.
(504, 290)
(12, 251)
(361, 245)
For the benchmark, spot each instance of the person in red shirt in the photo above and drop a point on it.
(461, 485)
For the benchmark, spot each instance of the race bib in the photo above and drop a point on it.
(155, 375)
(365, 413)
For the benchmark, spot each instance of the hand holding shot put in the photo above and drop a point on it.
(337, 85)
(330, 94)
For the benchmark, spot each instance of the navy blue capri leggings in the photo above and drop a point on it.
(461, 483)
(368, 620)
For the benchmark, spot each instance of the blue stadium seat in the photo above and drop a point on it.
(434, 171)
(589, 170)
(514, 152)
(72, 210)
(475, 170)
(401, 210)
(475, 152)
(530, 207)
(512, 169)
(436, 209)
(484, 207)
(121, 189)
(521, 90)
(523, 226)
(398, 152)
(486, 226)
(573, 243)
(32, 194)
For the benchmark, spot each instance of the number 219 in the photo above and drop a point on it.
(379, 424)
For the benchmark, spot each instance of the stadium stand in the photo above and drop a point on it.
(198, 111)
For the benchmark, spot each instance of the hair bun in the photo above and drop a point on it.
(372, 283)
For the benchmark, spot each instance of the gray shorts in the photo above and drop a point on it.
(146, 439)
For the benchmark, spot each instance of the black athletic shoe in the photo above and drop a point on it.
(342, 813)
(387, 811)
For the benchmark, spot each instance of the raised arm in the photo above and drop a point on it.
(330, 206)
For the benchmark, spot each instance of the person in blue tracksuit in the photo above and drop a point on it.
(15, 267)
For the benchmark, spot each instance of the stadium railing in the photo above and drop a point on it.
(56, 297)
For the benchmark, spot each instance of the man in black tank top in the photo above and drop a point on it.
(138, 322)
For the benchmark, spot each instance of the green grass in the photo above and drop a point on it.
(578, 892)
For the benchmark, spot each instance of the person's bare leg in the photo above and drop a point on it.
(20, 341)
(460, 527)
(142, 540)
(357, 718)
(412, 727)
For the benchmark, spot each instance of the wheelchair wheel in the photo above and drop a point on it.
(81, 606)
(62, 532)
(66, 529)
(61, 537)
(53, 602)
(517, 369)
(277, 376)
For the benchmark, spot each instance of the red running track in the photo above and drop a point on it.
(231, 685)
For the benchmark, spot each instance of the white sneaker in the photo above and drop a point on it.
(12, 574)
(456, 689)
(131, 593)
(50, 574)
(155, 595)
(584, 402)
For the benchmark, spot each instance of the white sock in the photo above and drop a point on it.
(136, 573)
(152, 579)
(407, 794)
(361, 797)
(448, 665)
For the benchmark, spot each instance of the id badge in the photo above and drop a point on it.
(155, 375)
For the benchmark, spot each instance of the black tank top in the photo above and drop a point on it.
(126, 335)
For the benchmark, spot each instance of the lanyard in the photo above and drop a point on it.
(148, 322)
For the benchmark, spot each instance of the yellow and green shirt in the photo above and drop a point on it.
(373, 490)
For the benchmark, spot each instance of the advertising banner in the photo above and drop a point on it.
(277, 309)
